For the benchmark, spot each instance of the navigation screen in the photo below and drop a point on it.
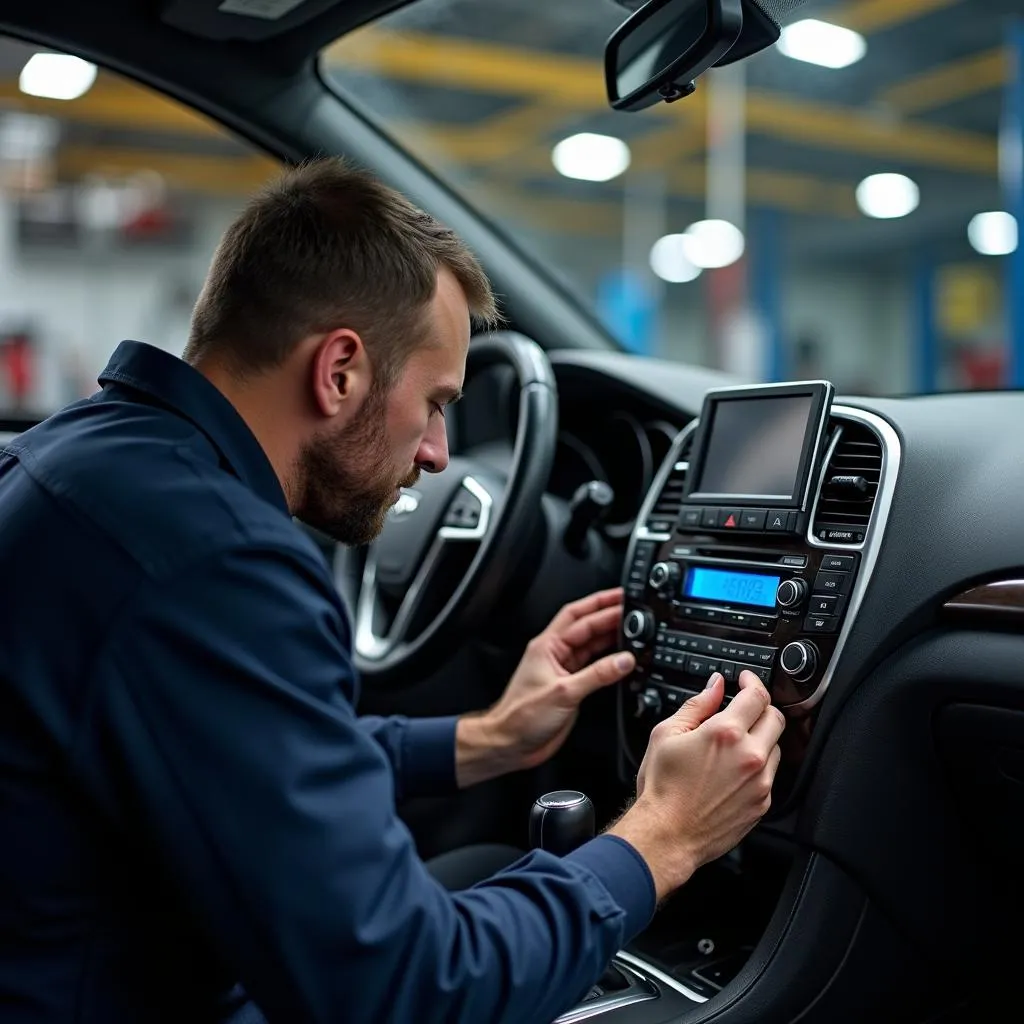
(732, 587)
(754, 447)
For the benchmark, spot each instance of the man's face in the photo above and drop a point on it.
(352, 476)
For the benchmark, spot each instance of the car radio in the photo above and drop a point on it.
(732, 577)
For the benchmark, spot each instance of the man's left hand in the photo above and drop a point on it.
(539, 706)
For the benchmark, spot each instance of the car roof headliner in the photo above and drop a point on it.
(131, 32)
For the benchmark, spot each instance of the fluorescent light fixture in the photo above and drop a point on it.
(888, 195)
(993, 234)
(591, 157)
(670, 262)
(56, 76)
(818, 42)
(710, 244)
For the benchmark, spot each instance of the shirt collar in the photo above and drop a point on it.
(187, 392)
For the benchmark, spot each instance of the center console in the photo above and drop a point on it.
(750, 551)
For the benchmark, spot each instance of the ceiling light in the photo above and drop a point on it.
(888, 195)
(710, 244)
(591, 157)
(818, 42)
(670, 262)
(993, 234)
(56, 76)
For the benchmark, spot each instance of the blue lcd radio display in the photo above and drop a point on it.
(731, 587)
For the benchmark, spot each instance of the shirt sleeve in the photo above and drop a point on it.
(421, 752)
(220, 716)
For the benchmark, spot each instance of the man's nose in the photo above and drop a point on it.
(432, 456)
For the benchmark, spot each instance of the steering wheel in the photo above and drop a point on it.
(470, 523)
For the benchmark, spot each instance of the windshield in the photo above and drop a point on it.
(829, 208)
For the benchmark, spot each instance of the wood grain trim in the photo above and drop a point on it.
(1000, 599)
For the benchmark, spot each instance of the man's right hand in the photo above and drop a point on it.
(705, 780)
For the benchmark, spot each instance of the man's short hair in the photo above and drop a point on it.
(327, 246)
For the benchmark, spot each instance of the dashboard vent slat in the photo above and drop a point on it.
(850, 487)
(663, 515)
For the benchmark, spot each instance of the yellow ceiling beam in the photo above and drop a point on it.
(958, 80)
(480, 67)
(875, 15)
(117, 103)
(501, 71)
(830, 127)
(214, 175)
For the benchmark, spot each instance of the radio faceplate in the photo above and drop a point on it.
(703, 609)
(705, 592)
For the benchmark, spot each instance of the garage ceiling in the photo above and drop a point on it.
(483, 88)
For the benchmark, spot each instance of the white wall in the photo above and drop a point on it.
(80, 305)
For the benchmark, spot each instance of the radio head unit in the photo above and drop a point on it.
(759, 447)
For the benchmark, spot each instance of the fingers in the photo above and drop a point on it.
(585, 605)
(773, 763)
(768, 728)
(602, 673)
(749, 704)
(700, 706)
(600, 625)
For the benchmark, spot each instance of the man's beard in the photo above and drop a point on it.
(347, 480)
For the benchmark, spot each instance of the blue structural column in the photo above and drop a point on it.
(924, 371)
(1013, 183)
(766, 288)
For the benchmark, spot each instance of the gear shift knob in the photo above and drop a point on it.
(561, 821)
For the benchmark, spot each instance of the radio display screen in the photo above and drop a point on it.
(731, 587)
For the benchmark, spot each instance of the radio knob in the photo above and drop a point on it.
(648, 700)
(664, 576)
(791, 593)
(799, 660)
(638, 626)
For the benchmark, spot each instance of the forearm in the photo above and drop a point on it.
(482, 752)
(670, 859)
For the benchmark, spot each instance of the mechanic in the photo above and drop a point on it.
(188, 799)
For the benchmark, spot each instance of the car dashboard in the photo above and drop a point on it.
(884, 612)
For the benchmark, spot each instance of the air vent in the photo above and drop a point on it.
(662, 517)
(850, 487)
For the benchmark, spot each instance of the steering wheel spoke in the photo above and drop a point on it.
(465, 522)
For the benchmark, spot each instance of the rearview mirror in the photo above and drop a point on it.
(659, 51)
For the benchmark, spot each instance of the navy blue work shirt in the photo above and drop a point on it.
(187, 797)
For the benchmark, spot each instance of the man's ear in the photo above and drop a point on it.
(342, 374)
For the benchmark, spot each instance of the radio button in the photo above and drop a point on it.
(821, 624)
(664, 576)
(824, 605)
(638, 626)
(730, 670)
(753, 518)
(791, 593)
(741, 619)
(777, 522)
(832, 583)
(688, 611)
(730, 519)
(697, 666)
(690, 518)
(765, 623)
(709, 518)
(794, 561)
(838, 563)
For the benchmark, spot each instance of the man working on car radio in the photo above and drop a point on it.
(187, 797)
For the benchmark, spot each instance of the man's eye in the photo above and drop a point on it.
(438, 408)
